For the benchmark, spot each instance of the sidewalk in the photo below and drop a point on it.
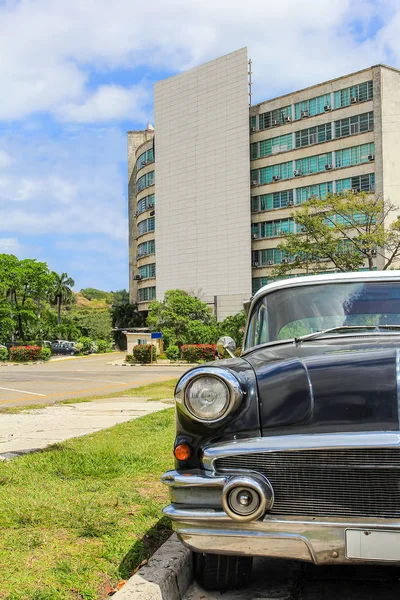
(28, 431)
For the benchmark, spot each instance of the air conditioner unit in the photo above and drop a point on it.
(285, 260)
(137, 277)
(253, 129)
(255, 264)
(353, 100)
(297, 173)
(254, 236)
(276, 178)
(288, 119)
(304, 114)
(255, 210)
(254, 182)
(290, 203)
(136, 213)
(371, 157)
(270, 263)
(373, 252)
(354, 191)
(327, 108)
(275, 123)
(328, 167)
(153, 212)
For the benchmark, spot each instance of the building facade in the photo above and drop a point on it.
(335, 136)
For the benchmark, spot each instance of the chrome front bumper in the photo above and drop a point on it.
(317, 540)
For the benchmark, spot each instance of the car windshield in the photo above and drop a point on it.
(298, 311)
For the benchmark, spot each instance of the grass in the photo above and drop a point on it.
(77, 518)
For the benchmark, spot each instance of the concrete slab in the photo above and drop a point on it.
(33, 430)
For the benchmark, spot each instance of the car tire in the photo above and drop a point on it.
(72, 353)
(222, 572)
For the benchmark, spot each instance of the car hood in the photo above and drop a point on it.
(341, 384)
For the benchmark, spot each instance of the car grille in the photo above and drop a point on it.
(342, 483)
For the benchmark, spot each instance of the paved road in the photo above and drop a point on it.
(74, 377)
(288, 581)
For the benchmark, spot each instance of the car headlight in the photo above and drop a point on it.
(208, 394)
(207, 397)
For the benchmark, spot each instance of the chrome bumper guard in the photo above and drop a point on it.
(211, 530)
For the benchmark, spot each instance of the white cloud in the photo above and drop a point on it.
(10, 246)
(109, 102)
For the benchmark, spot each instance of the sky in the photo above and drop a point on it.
(76, 75)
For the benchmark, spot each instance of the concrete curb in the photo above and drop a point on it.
(167, 575)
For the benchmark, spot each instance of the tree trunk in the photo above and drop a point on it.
(58, 310)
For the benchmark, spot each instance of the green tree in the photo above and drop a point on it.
(95, 294)
(120, 297)
(348, 230)
(125, 315)
(233, 326)
(61, 292)
(183, 319)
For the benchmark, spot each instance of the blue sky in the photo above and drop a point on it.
(75, 76)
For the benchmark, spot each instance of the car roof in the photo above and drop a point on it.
(393, 275)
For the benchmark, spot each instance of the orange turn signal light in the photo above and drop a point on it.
(183, 452)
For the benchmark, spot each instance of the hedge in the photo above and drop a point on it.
(25, 353)
(198, 352)
(3, 354)
(172, 352)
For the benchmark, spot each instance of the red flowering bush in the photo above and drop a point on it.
(198, 352)
(141, 353)
(25, 353)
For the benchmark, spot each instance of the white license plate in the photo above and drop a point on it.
(373, 545)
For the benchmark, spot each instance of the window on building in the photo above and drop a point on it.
(313, 135)
(278, 228)
(146, 225)
(268, 257)
(145, 159)
(147, 271)
(146, 248)
(352, 95)
(320, 191)
(273, 173)
(253, 123)
(146, 294)
(354, 156)
(272, 201)
(313, 164)
(314, 106)
(258, 282)
(274, 117)
(360, 183)
(353, 125)
(271, 146)
(145, 181)
(145, 203)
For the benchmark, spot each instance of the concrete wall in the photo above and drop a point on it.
(202, 155)
(390, 132)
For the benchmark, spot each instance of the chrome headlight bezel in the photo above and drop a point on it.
(231, 382)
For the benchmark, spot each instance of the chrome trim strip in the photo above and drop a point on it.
(398, 382)
(326, 441)
(194, 514)
(235, 391)
(193, 478)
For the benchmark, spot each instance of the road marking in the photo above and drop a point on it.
(88, 379)
(22, 392)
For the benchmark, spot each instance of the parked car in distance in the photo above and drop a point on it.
(292, 450)
(62, 347)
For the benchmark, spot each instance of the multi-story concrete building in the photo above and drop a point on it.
(335, 136)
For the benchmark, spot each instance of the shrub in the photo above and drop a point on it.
(172, 352)
(86, 344)
(45, 354)
(25, 353)
(141, 352)
(198, 352)
(102, 346)
(3, 354)
(79, 347)
(129, 358)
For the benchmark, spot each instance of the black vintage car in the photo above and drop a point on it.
(293, 449)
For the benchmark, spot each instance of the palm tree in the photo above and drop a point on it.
(62, 293)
